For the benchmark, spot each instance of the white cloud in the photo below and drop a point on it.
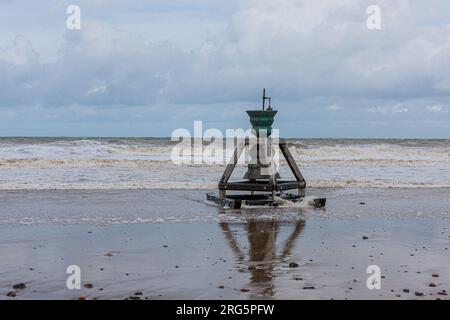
(436, 109)
(20, 54)
(398, 108)
(334, 107)
(97, 89)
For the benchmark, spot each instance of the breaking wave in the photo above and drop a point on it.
(145, 163)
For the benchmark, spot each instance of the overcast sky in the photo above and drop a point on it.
(145, 68)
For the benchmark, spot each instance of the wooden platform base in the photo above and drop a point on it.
(281, 185)
(236, 201)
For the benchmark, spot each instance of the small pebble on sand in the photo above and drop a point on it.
(19, 286)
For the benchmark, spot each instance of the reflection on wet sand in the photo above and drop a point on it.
(262, 255)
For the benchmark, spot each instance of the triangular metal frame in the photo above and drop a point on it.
(271, 185)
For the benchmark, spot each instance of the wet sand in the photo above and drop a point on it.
(169, 244)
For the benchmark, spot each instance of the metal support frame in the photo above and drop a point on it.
(273, 185)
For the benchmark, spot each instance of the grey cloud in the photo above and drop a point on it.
(311, 54)
(299, 48)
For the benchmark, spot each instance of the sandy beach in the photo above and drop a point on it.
(170, 244)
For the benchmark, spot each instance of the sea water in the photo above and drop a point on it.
(145, 163)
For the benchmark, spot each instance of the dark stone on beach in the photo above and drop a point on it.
(308, 288)
(418, 294)
(221, 286)
(82, 298)
(251, 267)
(165, 246)
(365, 237)
(293, 265)
(435, 275)
(88, 285)
(133, 298)
(442, 293)
(406, 290)
(108, 254)
(244, 290)
(138, 293)
(298, 279)
(362, 203)
(19, 286)
(432, 285)
(11, 294)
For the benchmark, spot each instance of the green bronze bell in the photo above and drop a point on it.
(262, 120)
(262, 165)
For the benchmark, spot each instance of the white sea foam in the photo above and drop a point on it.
(40, 163)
